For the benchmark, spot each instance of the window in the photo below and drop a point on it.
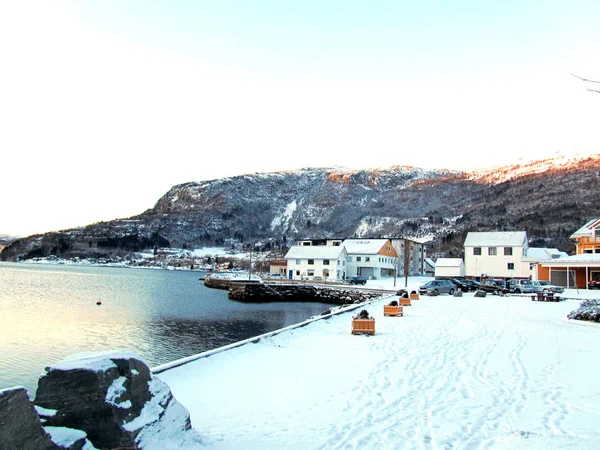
(310, 272)
(492, 251)
(367, 258)
(311, 261)
(325, 262)
(511, 266)
(349, 258)
(507, 251)
(587, 251)
(358, 258)
(297, 262)
(477, 251)
(297, 272)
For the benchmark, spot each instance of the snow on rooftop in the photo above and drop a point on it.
(364, 246)
(448, 262)
(586, 258)
(314, 251)
(587, 229)
(495, 238)
(503, 373)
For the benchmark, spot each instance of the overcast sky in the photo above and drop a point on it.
(104, 105)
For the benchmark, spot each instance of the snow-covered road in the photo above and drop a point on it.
(493, 372)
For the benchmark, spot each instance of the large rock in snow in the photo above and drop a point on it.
(113, 397)
(20, 426)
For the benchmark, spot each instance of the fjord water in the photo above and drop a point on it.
(48, 312)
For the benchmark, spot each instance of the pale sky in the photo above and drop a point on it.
(105, 105)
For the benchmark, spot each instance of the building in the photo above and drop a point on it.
(449, 268)
(373, 258)
(499, 254)
(578, 270)
(326, 261)
(278, 267)
(414, 259)
(587, 238)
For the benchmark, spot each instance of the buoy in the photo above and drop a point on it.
(98, 302)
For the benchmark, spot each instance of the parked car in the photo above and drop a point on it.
(275, 276)
(460, 284)
(595, 283)
(465, 285)
(439, 286)
(546, 286)
(520, 286)
(473, 284)
(357, 280)
(494, 286)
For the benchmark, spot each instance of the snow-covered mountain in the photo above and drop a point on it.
(549, 199)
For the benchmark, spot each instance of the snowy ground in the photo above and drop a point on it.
(493, 372)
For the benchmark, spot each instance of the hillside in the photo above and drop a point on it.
(549, 199)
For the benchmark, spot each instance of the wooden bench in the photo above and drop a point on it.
(404, 301)
(393, 311)
(363, 326)
(414, 296)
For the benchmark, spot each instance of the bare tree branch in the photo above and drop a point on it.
(588, 81)
(585, 79)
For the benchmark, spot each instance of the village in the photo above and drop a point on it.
(501, 255)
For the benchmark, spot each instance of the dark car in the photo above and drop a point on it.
(473, 284)
(357, 280)
(595, 283)
(493, 286)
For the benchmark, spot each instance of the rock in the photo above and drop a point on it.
(480, 294)
(432, 293)
(20, 426)
(110, 396)
(458, 293)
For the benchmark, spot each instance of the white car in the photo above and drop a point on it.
(546, 286)
(275, 276)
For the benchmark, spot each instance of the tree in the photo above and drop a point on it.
(588, 81)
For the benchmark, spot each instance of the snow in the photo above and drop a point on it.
(46, 412)
(94, 361)
(66, 437)
(114, 391)
(454, 372)
(286, 216)
(495, 238)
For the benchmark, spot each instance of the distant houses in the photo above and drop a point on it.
(371, 258)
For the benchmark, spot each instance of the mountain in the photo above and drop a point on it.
(549, 199)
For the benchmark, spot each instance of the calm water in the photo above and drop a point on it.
(49, 312)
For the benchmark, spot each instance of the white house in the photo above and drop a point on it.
(328, 262)
(371, 257)
(499, 254)
(449, 268)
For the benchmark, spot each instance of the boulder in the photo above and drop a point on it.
(458, 293)
(480, 293)
(20, 425)
(111, 396)
(432, 293)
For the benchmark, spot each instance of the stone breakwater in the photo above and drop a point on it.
(259, 292)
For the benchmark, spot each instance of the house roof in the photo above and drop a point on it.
(587, 229)
(545, 253)
(582, 259)
(495, 238)
(448, 262)
(430, 261)
(314, 252)
(364, 246)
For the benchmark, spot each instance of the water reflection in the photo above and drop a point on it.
(50, 312)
